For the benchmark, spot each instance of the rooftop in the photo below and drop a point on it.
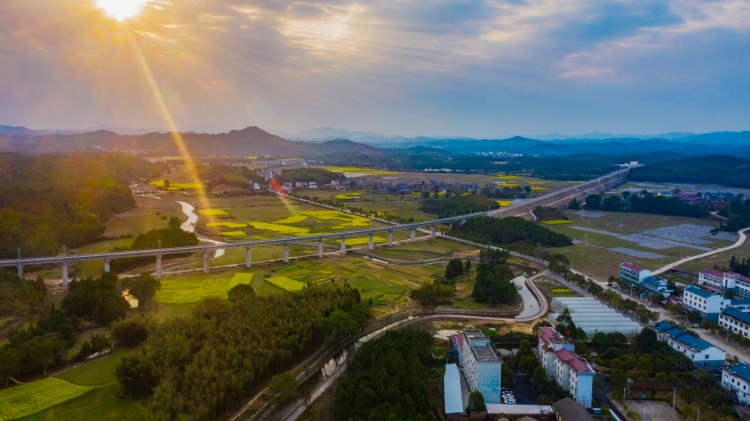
(631, 266)
(570, 410)
(474, 333)
(453, 399)
(740, 370)
(692, 341)
(485, 354)
(713, 272)
(573, 360)
(699, 291)
(737, 314)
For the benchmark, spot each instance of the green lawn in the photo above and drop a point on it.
(97, 372)
(30, 398)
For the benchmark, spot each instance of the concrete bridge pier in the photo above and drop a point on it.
(432, 231)
(158, 266)
(371, 244)
(320, 249)
(343, 245)
(20, 271)
(248, 257)
(413, 235)
(286, 252)
(206, 256)
(390, 238)
(107, 266)
(65, 278)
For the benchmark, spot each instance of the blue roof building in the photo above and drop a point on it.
(736, 321)
(736, 380)
(700, 352)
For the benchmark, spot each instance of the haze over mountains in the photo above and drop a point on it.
(318, 143)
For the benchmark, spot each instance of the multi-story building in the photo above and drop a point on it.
(735, 320)
(637, 277)
(480, 364)
(736, 380)
(710, 304)
(700, 352)
(556, 354)
(632, 274)
(721, 282)
(655, 285)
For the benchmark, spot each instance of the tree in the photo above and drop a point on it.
(240, 292)
(646, 341)
(467, 266)
(166, 184)
(454, 269)
(538, 376)
(339, 326)
(9, 364)
(285, 386)
(476, 402)
(574, 204)
(593, 202)
(644, 363)
(130, 332)
(138, 376)
(618, 381)
(143, 287)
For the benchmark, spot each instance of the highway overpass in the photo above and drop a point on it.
(558, 198)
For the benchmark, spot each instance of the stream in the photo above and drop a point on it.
(189, 226)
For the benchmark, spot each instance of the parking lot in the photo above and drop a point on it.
(522, 390)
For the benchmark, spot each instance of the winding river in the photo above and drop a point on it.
(189, 226)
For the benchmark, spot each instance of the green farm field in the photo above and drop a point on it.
(30, 398)
(195, 288)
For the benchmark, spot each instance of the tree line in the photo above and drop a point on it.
(47, 201)
(644, 202)
(509, 231)
(493, 284)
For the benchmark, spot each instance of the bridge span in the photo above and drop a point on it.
(558, 199)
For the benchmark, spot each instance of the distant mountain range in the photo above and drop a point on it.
(256, 141)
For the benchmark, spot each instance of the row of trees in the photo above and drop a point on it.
(509, 231)
(643, 202)
(456, 267)
(203, 365)
(457, 205)
(387, 380)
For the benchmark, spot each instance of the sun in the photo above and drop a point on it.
(121, 9)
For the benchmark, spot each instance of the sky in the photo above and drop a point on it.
(473, 68)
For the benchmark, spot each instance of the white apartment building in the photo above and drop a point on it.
(573, 374)
(735, 321)
(710, 304)
(480, 364)
(736, 380)
(723, 281)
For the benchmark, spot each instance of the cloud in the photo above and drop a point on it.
(464, 67)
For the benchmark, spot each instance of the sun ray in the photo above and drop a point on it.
(169, 120)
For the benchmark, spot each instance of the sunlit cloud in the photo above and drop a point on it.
(444, 67)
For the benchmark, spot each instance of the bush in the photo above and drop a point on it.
(130, 332)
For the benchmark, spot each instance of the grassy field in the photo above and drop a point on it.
(197, 287)
(30, 398)
(97, 372)
(592, 255)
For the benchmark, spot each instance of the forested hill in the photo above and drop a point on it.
(47, 201)
(715, 169)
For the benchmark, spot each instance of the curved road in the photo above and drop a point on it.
(742, 237)
(535, 306)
